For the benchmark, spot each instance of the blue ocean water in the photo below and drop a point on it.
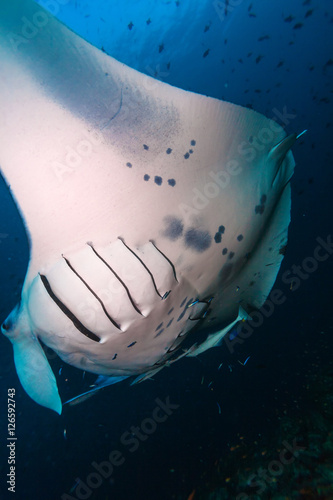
(275, 57)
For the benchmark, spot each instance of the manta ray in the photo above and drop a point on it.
(156, 217)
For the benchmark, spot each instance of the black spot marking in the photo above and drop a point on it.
(146, 177)
(172, 308)
(171, 182)
(168, 151)
(186, 156)
(185, 309)
(240, 237)
(198, 240)
(190, 151)
(159, 333)
(114, 357)
(259, 209)
(231, 255)
(145, 147)
(133, 343)
(282, 250)
(158, 180)
(183, 302)
(159, 326)
(193, 142)
(174, 228)
(224, 251)
(171, 320)
(218, 238)
(221, 229)
(128, 164)
(226, 271)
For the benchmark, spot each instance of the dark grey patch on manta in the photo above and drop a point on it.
(186, 156)
(173, 228)
(158, 180)
(190, 151)
(145, 147)
(198, 240)
(193, 142)
(221, 229)
(168, 151)
(128, 164)
(263, 199)
(224, 251)
(114, 357)
(226, 271)
(231, 255)
(146, 177)
(133, 343)
(240, 237)
(159, 326)
(172, 308)
(171, 182)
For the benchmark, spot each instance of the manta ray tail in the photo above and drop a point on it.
(31, 364)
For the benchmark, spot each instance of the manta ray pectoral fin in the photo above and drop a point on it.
(31, 364)
(35, 373)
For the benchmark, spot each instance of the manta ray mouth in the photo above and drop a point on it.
(77, 323)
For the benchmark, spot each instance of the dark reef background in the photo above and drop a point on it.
(226, 437)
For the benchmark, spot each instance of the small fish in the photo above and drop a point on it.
(258, 59)
(281, 63)
(130, 25)
(65, 434)
(262, 38)
(148, 21)
(205, 54)
(289, 19)
(308, 13)
(243, 364)
(219, 407)
(220, 366)
(298, 26)
(160, 48)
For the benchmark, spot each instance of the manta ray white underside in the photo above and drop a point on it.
(152, 212)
